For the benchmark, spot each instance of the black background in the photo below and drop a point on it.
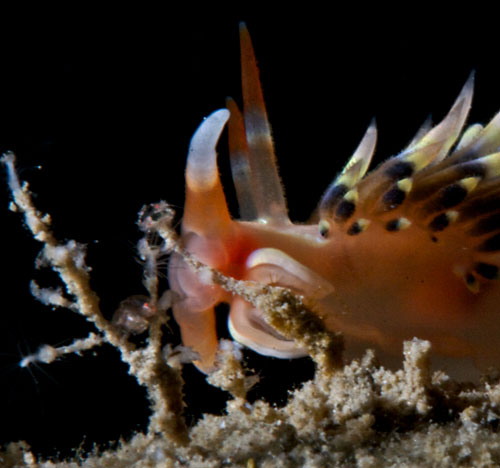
(106, 102)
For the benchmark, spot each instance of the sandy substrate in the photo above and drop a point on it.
(361, 415)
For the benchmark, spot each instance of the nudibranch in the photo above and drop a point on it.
(409, 249)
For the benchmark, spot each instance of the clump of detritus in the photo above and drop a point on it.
(358, 414)
(230, 374)
(134, 314)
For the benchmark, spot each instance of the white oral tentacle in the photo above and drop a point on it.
(201, 169)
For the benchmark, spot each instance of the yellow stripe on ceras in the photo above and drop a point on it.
(358, 226)
(491, 164)
(403, 223)
(452, 215)
(348, 178)
(363, 223)
(397, 224)
(469, 183)
(359, 162)
(352, 196)
(405, 184)
(421, 155)
(470, 134)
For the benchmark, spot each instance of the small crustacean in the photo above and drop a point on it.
(410, 249)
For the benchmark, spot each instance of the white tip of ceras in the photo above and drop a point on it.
(201, 169)
(358, 164)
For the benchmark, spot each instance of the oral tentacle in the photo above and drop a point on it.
(206, 208)
(198, 332)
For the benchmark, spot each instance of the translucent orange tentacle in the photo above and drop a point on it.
(240, 162)
(198, 333)
(267, 189)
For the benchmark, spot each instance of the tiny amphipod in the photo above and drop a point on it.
(409, 249)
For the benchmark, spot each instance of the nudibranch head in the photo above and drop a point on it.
(409, 249)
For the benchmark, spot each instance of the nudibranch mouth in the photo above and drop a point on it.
(272, 267)
(248, 327)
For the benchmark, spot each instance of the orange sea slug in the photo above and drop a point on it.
(409, 249)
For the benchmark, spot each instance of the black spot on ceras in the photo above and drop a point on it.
(354, 229)
(393, 198)
(470, 279)
(393, 225)
(486, 225)
(333, 202)
(399, 170)
(450, 196)
(345, 209)
(491, 244)
(439, 223)
(486, 270)
(332, 196)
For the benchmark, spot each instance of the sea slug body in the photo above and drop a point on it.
(411, 248)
